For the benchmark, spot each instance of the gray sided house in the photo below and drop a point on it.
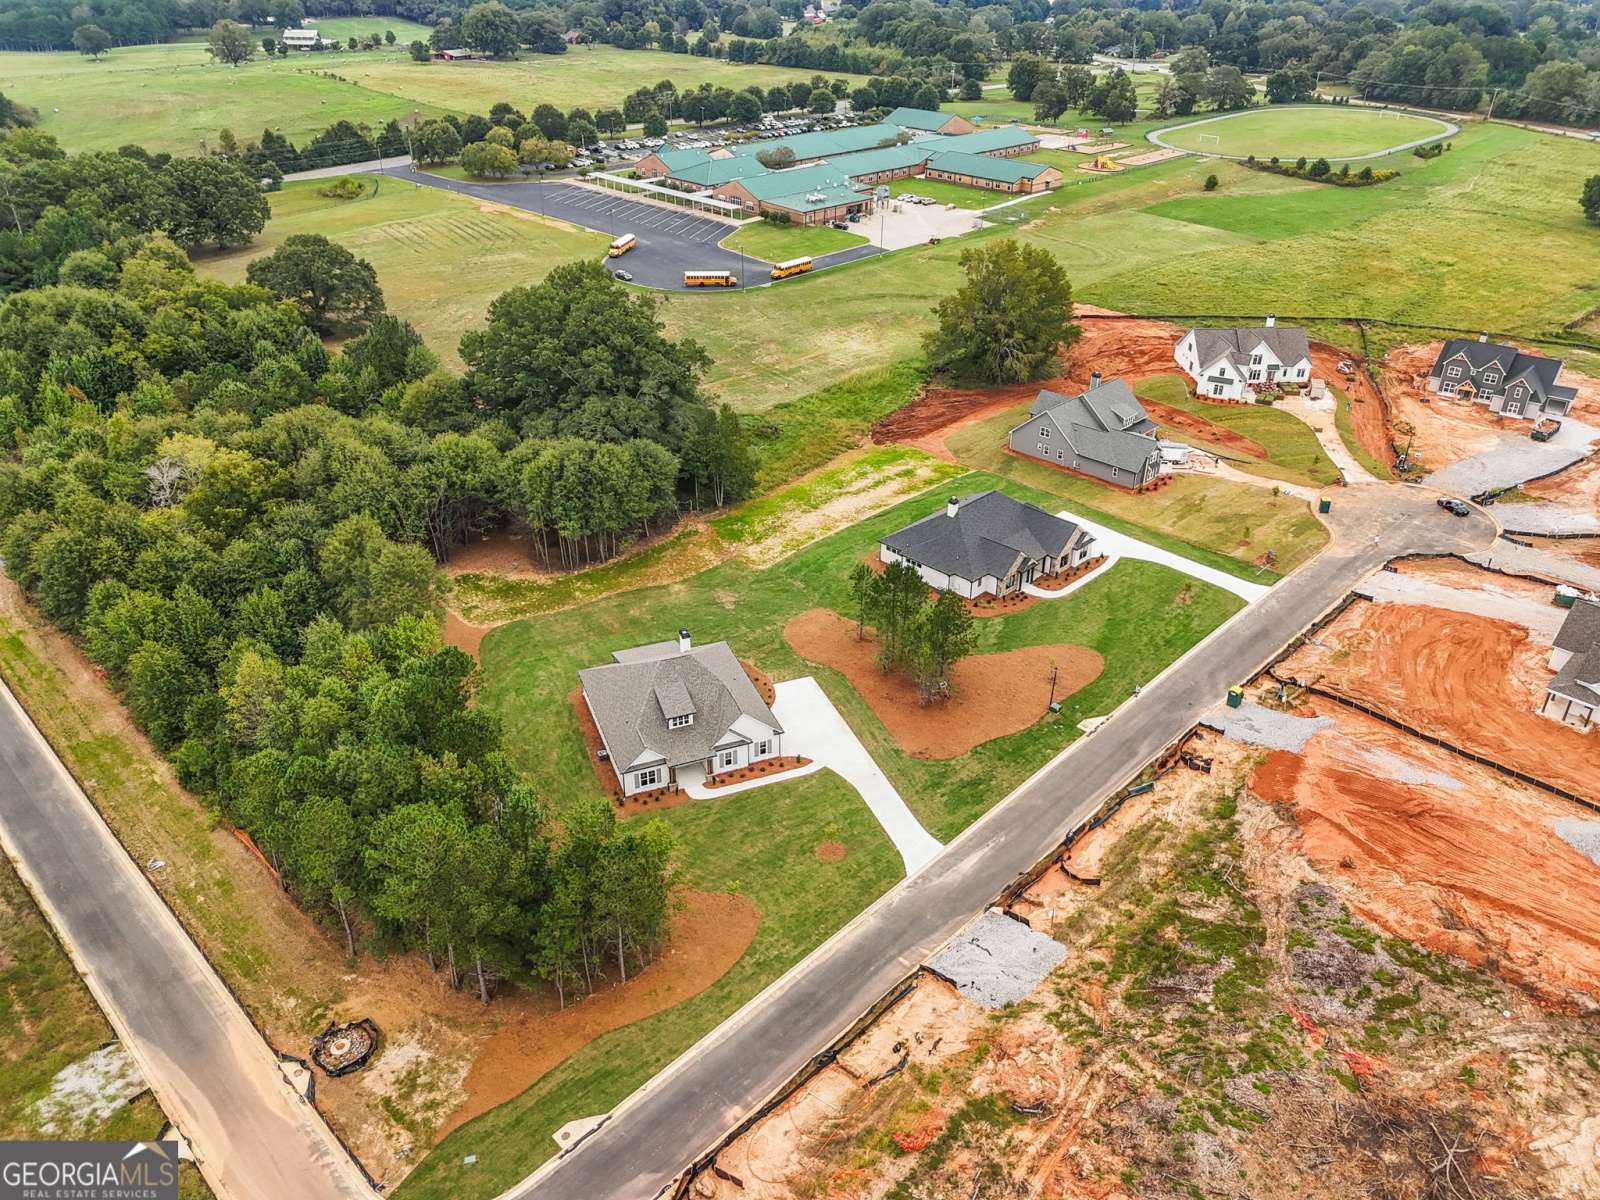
(1226, 364)
(1104, 433)
(988, 543)
(1501, 377)
(674, 712)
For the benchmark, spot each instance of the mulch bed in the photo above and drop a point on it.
(830, 852)
(986, 605)
(761, 770)
(1054, 583)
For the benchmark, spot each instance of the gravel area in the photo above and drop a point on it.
(997, 960)
(1582, 836)
(1541, 620)
(1257, 726)
(1541, 564)
(1545, 519)
(1384, 764)
(1516, 459)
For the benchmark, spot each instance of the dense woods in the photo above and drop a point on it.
(242, 527)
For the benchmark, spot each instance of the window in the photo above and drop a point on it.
(763, 749)
(1216, 389)
(1113, 472)
(1491, 378)
(726, 759)
(1255, 360)
(1449, 389)
(1452, 372)
(1060, 457)
(1254, 375)
(682, 722)
(650, 778)
(1044, 431)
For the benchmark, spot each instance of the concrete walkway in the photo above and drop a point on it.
(1116, 546)
(810, 720)
(1319, 417)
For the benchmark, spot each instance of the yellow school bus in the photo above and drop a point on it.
(709, 279)
(622, 245)
(795, 266)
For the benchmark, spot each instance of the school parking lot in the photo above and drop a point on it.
(670, 240)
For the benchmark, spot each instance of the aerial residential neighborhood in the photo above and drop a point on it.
(767, 601)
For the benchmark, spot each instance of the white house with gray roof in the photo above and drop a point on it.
(1225, 364)
(1502, 377)
(673, 706)
(1103, 432)
(987, 543)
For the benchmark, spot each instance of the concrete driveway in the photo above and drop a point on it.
(1117, 546)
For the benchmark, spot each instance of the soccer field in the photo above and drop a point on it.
(1325, 132)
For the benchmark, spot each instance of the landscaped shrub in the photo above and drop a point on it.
(1211, 183)
(1321, 172)
(1431, 150)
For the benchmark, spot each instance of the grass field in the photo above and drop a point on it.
(440, 257)
(1237, 522)
(775, 243)
(760, 843)
(947, 193)
(1293, 453)
(1322, 131)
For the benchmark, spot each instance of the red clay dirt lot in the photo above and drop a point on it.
(1446, 430)
(1577, 488)
(1470, 680)
(1369, 416)
(992, 694)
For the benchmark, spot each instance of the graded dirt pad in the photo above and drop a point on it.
(1471, 680)
(1369, 416)
(939, 412)
(1576, 488)
(1453, 573)
(709, 935)
(1206, 431)
(1119, 347)
(992, 695)
(1583, 550)
(1474, 871)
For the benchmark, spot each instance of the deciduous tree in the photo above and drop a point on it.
(91, 40)
(335, 291)
(1007, 322)
(208, 200)
(230, 42)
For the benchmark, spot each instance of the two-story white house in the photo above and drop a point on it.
(1508, 381)
(1226, 364)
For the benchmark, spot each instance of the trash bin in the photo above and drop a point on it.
(1235, 697)
(1324, 504)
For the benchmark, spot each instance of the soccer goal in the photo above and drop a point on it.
(1200, 139)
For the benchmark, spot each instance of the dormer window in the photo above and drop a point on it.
(682, 722)
(1491, 378)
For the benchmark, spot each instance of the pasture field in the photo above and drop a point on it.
(1325, 131)
(775, 243)
(441, 258)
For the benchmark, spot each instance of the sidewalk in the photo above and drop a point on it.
(386, 166)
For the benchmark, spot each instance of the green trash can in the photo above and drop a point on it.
(1324, 504)
(1235, 697)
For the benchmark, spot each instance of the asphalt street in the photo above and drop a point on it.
(670, 240)
(692, 1105)
(253, 1136)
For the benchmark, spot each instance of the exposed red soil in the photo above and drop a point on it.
(760, 770)
(1369, 415)
(1578, 487)
(1126, 349)
(992, 695)
(1206, 431)
(462, 634)
(1584, 550)
(939, 412)
(1475, 872)
(830, 851)
(709, 934)
(1470, 680)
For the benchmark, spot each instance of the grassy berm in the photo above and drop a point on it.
(1222, 1026)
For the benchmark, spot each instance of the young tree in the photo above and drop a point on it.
(655, 125)
(91, 40)
(776, 159)
(335, 291)
(230, 42)
(208, 200)
(1118, 102)
(1007, 322)
(971, 89)
(862, 580)
(609, 121)
(717, 456)
(898, 597)
(1589, 199)
(943, 635)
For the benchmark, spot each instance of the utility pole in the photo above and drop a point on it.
(1492, 98)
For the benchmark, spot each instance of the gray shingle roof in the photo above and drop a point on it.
(1581, 629)
(1540, 372)
(1580, 679)
(1105, 424)
(632, 697)
(1287, 342)
(988, 535)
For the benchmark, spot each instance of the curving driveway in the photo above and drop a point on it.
(1450, 130)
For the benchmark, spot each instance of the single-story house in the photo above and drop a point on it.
(673, 706)
(452, 55)
(997, 174)
(1579, 631)
(1573, 696)
(929, 122)
(1501, 377)
(1225, 363)
(987, 543)
(1104, 433)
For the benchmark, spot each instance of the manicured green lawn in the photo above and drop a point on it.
(440, 258)
(1347, 435)
(760, 843)
(777, 243)
(1317, 131)
(1293, 452)
(1236, 521)
(1303, 208)
(947, 193)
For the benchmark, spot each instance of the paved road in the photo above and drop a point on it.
(695, 1102)
(214, 1076)
(671, 240)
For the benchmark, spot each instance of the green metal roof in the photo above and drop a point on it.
(817, 177)
(825, 142)
(714, 172)
(812, 199)
(1002, 137)
(890, 158)
(675, 160)
(981, 166)
(918, 118)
